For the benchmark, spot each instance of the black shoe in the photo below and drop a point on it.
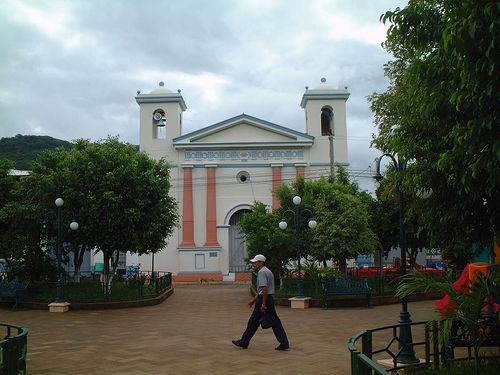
(282, 347)
(238, 343)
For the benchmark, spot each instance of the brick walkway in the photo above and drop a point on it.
(191, 333)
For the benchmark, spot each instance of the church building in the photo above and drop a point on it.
(219, 171)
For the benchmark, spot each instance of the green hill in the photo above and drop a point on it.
(23, 149)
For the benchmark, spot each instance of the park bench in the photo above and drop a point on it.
(344, 286)
(460, 337)
(14, 289)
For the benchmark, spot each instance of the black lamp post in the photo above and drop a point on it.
(73, 226)
(312, 224)
(406, 351)
(153, 267)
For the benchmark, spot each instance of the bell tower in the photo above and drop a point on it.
(160, 121)
(325, 109)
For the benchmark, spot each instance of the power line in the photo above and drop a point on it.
(259, 179)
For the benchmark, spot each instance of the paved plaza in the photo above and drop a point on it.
(191, 333)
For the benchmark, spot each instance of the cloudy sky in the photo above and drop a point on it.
(71, 69)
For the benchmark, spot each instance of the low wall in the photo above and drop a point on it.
(100, 305)
(199, 277)
(243, 276)
(208, 277)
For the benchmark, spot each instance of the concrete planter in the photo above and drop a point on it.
(106, 305)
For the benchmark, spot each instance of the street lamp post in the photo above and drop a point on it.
(283, 225)
(73, 226)
(406, 351)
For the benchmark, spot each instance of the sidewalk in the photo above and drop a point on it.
(191, 333)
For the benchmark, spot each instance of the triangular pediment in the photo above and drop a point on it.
(243, 130)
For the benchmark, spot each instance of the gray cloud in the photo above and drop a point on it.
(71, 69)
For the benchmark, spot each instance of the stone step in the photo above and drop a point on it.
(229, 277)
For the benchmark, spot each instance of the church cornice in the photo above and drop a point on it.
(174, 98)
(322, 96)
(242, 145)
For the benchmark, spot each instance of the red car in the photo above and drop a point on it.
(391, 272)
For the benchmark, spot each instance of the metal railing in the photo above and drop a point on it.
(287, 287)
(432, 349)
(363, 363)
(13, 349)
(235, 268)
(145, 285)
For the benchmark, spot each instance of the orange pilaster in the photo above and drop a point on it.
(300, 170)
(276, 185)
(187, 210)
(211, 209)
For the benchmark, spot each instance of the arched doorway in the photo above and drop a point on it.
(237, 245)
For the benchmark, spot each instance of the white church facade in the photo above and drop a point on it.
(219, 171)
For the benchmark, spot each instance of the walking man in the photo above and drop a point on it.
(264, 302)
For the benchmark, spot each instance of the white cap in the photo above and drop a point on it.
(258, 258)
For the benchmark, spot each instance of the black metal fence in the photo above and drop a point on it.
(145, 285)
(13, 349)
(383, 343)
(234, 268)
(287, 287)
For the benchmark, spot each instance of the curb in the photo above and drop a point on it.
(105, 305)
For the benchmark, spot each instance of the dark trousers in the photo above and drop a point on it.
(253, 322)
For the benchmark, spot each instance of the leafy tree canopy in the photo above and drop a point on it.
(118, 196)
(342, 211)
(441, 113)
(263, 236)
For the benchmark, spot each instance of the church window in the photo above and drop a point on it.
(159, 124)
(326, 121)
(243, 177)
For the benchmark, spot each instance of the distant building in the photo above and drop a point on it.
(219, 171)
(18, 173)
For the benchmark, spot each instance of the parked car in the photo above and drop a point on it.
(392, 271)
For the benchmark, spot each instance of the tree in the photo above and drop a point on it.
(342, 212)
(441, 112)
(386, 210)
(263, 236)
(21, 234)
(118, 196)
(7, 184)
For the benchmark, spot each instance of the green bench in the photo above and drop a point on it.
(14, 289)
(344, 286)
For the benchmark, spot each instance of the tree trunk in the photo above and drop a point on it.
(343, 266)
(412, 254)
(110, 265)
(78, 254)
(476, 359)
(108, 271)
(76, 277)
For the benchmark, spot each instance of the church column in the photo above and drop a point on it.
(187, 209)
(211, 207)
(276, 183)
(300, 170)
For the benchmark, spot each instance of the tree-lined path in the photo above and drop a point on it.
(191, 333)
